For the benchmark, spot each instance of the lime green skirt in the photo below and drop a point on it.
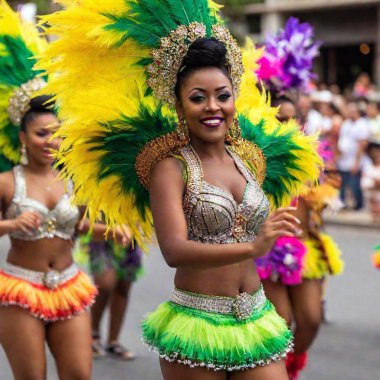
(217, 341)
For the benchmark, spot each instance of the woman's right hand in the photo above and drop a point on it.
(26, 222)
(123, 235)
(280, 223)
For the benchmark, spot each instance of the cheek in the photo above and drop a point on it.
(37, 141)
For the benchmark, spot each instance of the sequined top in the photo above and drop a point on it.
(212, 214)
(59, 222)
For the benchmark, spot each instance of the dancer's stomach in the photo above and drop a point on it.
(41, 255)
(229, 280)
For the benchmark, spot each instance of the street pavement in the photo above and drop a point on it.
(348, 348)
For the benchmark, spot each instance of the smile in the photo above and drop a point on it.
(212, 122)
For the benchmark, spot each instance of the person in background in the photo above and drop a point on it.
(362, 86)
(114, 268)
(286, 109)
(352, 144)
(312, 120)
(329, 111)
(371, 178)
(372, 112)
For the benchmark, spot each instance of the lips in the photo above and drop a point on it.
(47, 152)
(212, 122)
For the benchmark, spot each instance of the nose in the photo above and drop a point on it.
(212, 105)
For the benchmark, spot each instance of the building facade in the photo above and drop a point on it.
(349, 29)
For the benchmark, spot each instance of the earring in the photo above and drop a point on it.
(234, 132)
(24, 156)
(182, 130)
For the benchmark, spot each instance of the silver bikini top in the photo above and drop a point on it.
(212, 214)
(59, 222)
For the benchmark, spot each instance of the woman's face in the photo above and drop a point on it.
(37, 139)
(207, 104)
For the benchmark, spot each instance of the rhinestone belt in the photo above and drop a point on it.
(50, 279)
(241, 306)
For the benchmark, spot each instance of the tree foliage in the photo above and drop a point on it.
(44, 6)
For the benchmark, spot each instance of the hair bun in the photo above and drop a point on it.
(42, 103)
(205, 52)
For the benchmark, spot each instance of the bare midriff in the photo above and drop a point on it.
(229, 281)
(41, 255)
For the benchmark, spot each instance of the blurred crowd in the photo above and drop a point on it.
(349, 122)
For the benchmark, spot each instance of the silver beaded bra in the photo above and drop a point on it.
(212, 214)
(59, 222)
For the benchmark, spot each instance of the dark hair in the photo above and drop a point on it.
(38, 105)
(278, 100)
(203, 52)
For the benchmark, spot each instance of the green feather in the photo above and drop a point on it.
(16, 65)
(5, 164)
(122, 141)
(12, 133)
(148, 21)
(279, 151)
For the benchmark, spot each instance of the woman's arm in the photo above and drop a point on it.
(26, 222)
(166, 193)
(120, 234)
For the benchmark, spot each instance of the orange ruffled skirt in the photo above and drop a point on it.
(63, 302)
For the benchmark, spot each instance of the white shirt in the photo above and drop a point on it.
(351, 134)
(316, 123)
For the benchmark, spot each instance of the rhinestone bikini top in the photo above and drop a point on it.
(212, 214)
(59, 222)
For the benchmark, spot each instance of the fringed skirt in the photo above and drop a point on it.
(323, 258)
(219, 333)
(50, 296)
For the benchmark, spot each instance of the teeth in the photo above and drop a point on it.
(212, 122)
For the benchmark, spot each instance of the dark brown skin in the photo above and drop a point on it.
(214, 269)
(26, 350)
(52, 253)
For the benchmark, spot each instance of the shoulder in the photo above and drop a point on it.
(6, 178)
(168, 169)
(6, 184)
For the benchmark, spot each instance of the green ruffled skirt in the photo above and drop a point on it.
(217, 341)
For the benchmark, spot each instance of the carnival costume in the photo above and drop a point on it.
(115, 91)
(105, 255)
(53, 295)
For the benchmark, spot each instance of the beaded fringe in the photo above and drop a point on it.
(175, 357)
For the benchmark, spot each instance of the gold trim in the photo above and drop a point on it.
(156, 150)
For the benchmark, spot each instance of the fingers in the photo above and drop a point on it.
(28, 221)
(284, 225)
(284, 216)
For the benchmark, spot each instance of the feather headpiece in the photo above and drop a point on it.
(19, 43)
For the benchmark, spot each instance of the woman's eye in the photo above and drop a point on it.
(42, 133)
(224, 97)
(197, 98)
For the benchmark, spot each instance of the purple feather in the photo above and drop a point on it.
(291, 52)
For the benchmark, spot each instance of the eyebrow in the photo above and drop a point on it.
(202, 89)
